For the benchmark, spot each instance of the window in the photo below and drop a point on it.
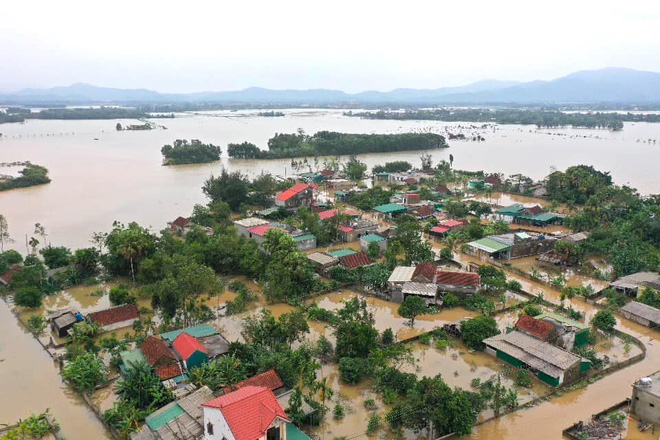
(652, 405)
(209, 428)
(273, 434)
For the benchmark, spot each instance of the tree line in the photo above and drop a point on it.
(183, 151)
(30, 175)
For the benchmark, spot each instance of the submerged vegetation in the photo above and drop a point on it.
(30, 175)
(329, 143)
(540, 118)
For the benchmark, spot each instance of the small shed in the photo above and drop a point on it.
(642, 314)
(115, 317)
(191, 350)
(62, 320)
(322, 261)
(341, 253)
(305, 242)
(244, 225)
(428, 291)
(366, 240)
(391, 209)
(571, 332)
(355, 260)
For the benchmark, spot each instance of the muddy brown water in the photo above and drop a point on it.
(30, 382)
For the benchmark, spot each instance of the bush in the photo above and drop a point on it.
(55, 257)
(604, 320)
(338, 412)
(352, 370)
(120, 295)
(475, 330)
(390, 378)
(374, 424)
(425, 339)
(387, 337)
(11, 257)
(37, 324)
(515, 286)
(85, 372)
(450, 301)
(523, 378)
(532, 310)
(370, 405)
(29, 297)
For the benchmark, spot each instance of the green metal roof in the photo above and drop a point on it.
(268, 211)
(305, 237)
(390, 208)
(198, 331)
(373, 238)
(542, 217)
(514, 209)
(489, 245)
(341, 253)
(523, 235)
(293, 433)
(163, 416)
(563, 319)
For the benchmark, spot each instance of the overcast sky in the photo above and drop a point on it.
(356, 45)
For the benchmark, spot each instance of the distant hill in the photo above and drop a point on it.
(610, 85)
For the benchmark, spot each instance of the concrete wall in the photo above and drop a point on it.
(645, 405)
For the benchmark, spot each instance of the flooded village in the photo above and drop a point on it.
(405, 301)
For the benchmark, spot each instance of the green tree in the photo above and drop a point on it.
(85, 372)
(492, 278)
(475, 330)
(220, 373)
(141, 387)
(355, 169)
(231, 188)
(31, 297)
(411, 307)
(604, 320)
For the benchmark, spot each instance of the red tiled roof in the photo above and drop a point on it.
(411, 181)
(269, 380)
(154, 349)
(180, 221)
(493, 180)
(9, 275)
(535, 327)
(328, 214)
(249, 411)
(356, 260)
(327, 173)
(442, 189)
(169, 371)
(463, 279)
(293, 191)
(413, 196)
(346, 229)
(114, 315)
(261, 230)
(427, 270)
(439, 229)
(186, 345)
(352, 213)
(535, 210)
(451, 223)
(425, 211)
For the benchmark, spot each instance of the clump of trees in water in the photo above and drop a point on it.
(541, 118)
(30, 175)
(393, 167)
(330, 143)
(183, 151)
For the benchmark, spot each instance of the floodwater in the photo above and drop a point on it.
(120, 177)
(30, 382)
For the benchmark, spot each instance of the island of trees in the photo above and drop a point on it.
(330, 143)
(540, 118)
(30, 175)
(270, 114)
(186, 152)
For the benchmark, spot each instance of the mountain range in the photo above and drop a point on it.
(609, 85)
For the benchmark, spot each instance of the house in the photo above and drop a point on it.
(5, 279)
(542, 219)
(366, 240)
(328, 214)
(305, 242)
(358, 259)
(214, 343)
(641, 313)
(250, 413)
(115, 317)
(457, 283)
(536, 328)
(411, 199)
(512, 245)
(442, 190)
(509, 213)
(63, 320)
(179, 225)
(338, 184)
(156, 353)
(182, 419)
(645, 402)
(570, 333)
(322, 262)
(268, 379)
(425, 272)
(630, 284)
(258, 233)
(399, 276)
(550, 364)
(451, 224)
(439, 231)
(411, 181)
(424, 211)
(341, 253)
(327, 174)
(493, 181)
(243, 226)
(300, 194)
(390, 210)
(356, 229)
(427, 291)
(198, 331)
(191, 350)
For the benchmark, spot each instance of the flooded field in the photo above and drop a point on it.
(84, 171)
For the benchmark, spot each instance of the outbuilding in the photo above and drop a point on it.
(191, 350)
(366, 241)
(641, 313)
